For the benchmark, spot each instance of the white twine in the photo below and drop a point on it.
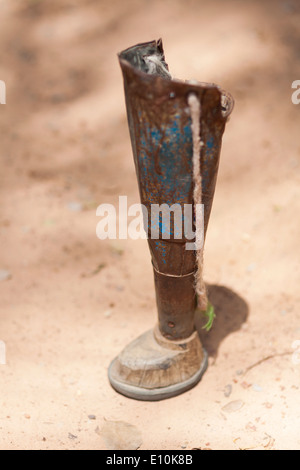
(195, 110)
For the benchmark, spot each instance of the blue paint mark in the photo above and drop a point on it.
(165, 145)
(166, 176)
(161, 248)
(210, 142)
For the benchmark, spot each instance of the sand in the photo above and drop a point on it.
(70, 302)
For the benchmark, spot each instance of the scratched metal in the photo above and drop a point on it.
(160, 129)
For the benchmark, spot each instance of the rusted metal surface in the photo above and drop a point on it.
(161, 136)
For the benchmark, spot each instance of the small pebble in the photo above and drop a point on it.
(92, 416)
(228, 390)
(251, 267)
(256, 388)
(116, 248)
(119, 288)
(74, 206)
(4, 275)
(120, 435)
(233, 406)
(71, 436)
(27, 416)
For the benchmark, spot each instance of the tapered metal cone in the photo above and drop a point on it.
(169, 359)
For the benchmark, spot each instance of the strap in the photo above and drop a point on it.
(195, 110)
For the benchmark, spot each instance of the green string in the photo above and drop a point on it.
(210, 314)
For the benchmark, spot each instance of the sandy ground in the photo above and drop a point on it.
(72, 302)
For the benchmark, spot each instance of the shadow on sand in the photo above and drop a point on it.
(231, 312)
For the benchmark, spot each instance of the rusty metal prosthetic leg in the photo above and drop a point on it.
(169, 359)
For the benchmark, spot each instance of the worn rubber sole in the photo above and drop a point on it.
(156, 394)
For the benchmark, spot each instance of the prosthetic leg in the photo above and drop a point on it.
(169, 359)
